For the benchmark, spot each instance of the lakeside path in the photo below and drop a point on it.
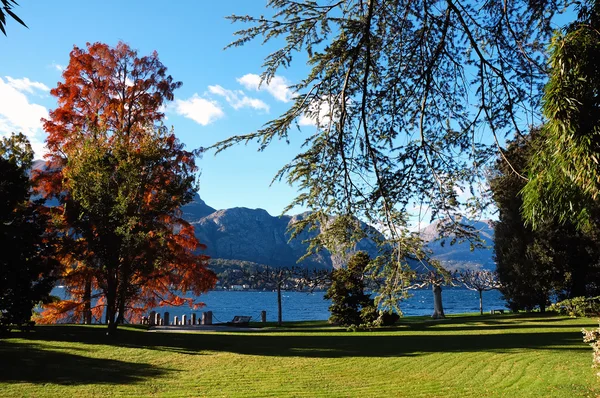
(201, 328)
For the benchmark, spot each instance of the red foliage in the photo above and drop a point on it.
(113, 99)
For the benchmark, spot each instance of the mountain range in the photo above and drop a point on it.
(253, 235)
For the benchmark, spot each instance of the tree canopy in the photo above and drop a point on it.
(120, 178)
(347, 292)
(564, 182)
(401, 94)
(27, 268)
(554, 259)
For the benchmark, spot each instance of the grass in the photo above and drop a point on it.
(472, 356)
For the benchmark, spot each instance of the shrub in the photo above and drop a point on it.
(389, 318)
(578, 306)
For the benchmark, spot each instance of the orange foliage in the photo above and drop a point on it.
(111, 99)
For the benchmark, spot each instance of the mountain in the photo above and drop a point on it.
(459, 256)
(196, 209)
(253, 235)
(256, 236)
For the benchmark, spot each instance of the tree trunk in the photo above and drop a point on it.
(279, 317)
(87, 301)
(481, 302)
(122, 295)
(438, 309)
(121, 317)
(111, 304)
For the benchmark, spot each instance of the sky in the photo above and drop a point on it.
(219, 98)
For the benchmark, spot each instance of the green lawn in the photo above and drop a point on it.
(471, 356)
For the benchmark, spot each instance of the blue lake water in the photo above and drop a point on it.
(299, 306)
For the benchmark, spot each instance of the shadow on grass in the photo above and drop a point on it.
(37, 363)
(327, 344)
(489, 323)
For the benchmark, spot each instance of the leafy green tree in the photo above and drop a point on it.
(397, 92)
(347, 292)
(564, 181)
(535, 264)
(27, 268)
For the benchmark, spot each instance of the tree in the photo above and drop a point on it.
(287, 278)
(6, 9)
(398, 91)
(120, 178)
(535, 264)
(479, 281)
(436, 280)
(27, 269)
(347, 292)
(565, 184)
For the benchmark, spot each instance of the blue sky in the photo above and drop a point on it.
(219, 96)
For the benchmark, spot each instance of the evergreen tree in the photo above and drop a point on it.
(27, 269)
(564, 178)
(347, 292)
(536, 264)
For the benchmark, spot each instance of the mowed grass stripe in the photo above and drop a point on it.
(470, 356)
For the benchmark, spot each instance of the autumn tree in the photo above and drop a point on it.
(479, 281)
(400, 94)
(120, 178)
(27, 268)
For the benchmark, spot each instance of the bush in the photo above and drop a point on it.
(578, 306)
(389, 318)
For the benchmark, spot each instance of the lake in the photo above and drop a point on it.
(300, 306)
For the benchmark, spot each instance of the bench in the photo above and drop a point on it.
(239, 321)
(497, 311)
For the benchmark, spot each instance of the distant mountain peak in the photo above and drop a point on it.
(459, 256)
(196, 209)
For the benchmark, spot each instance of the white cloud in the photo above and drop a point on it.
(237, 99)
(319, 113)
(278, 87)
(17, 114)
(307, 121)
(200, 110)
(25, 85)
(250, 81)
(58, 67)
